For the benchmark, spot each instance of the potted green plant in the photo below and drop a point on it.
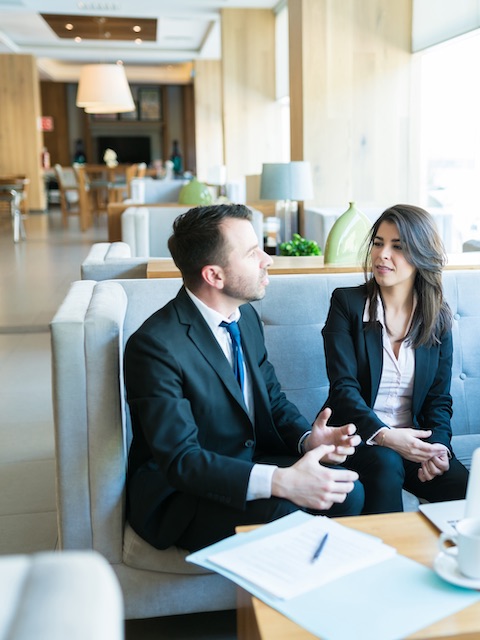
(299, 246)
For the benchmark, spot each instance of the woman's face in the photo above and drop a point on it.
(390, 267)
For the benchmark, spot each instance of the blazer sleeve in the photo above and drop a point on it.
(347, 361)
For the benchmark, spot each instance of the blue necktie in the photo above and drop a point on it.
(234, 331)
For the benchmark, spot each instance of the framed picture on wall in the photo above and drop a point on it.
(149, 104)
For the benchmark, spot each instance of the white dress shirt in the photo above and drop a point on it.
(393, 404)
(260, 481)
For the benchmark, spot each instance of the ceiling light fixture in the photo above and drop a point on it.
(69, 26)
(103, 88)
(137, 28)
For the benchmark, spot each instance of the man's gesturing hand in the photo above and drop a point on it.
(309, 484)
(343, 438)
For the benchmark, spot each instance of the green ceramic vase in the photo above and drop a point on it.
(346, 237)
(195, 192)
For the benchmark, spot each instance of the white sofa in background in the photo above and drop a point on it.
(148, 190)
(319, 220)
(110, 261)
(147, 229)
(68, 595)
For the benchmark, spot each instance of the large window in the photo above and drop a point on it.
(450, 134)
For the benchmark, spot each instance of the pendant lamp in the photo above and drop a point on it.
(103, 88)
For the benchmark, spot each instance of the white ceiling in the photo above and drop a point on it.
(186, 30)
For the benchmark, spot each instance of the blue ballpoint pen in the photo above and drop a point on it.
(318, 550)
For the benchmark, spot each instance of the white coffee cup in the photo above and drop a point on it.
(467, 546)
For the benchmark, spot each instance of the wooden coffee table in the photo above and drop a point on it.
(413, 536)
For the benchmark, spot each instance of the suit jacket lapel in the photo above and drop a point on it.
(421, 382)
(374, 347)
(249, 339)
(199, 333)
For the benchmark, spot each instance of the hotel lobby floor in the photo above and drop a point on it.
(34, 277)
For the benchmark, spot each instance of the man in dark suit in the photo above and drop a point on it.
(216, 443)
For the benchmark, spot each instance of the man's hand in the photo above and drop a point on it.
(309, 484)
(343, 438)
(410, 445)
(436, 466)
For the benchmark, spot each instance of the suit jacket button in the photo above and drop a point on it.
(249, 443)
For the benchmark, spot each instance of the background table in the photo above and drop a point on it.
(165, 267)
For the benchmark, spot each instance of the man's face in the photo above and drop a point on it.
(245, 273)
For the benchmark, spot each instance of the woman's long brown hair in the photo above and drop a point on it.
(422, 248)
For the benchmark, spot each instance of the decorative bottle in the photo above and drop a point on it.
(346, 237)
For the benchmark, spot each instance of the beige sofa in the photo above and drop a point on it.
(92, 423)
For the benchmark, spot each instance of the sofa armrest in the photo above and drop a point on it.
(135, 223)
(112, 261)
(72, 595)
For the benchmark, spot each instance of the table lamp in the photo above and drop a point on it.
(287, 183)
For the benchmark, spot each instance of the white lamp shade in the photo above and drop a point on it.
(286, 181)
(103, 88)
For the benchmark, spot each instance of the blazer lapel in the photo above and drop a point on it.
(374, 348)
(199, 333)
(249, 339)
(423, 381)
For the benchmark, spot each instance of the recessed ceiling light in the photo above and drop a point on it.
(78, 39)
(137, 28)
(69, 26)
(138, 41)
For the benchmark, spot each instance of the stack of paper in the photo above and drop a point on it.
(282, 564)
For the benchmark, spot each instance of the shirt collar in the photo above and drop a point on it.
(212, 318)
(381, 310)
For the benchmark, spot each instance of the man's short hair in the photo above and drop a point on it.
(197, 239)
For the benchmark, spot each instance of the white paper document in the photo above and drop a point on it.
(282, 564)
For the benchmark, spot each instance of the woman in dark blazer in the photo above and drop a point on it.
(388, 348)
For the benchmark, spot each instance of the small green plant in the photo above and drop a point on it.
(299, 246)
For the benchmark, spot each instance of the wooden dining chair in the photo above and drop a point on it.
(136, 170)
(69, 192)
(86, 208)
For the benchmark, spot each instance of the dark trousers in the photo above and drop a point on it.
(214, 521)
(384, 473)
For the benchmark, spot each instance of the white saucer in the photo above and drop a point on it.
(447, 568)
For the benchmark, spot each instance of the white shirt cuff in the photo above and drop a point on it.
(371, 440)
(260, 482)
(301, 442)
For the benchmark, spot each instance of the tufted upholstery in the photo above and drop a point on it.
(92, 426)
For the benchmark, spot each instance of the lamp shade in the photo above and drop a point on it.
(286, 181)
(103, 88)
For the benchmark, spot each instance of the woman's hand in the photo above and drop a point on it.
(410, 445)
(434, 467)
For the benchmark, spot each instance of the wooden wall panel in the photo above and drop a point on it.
(54, 103)
(188, 103)
(350, 66)
(208, 116)
(21, 140)
(251, 114)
